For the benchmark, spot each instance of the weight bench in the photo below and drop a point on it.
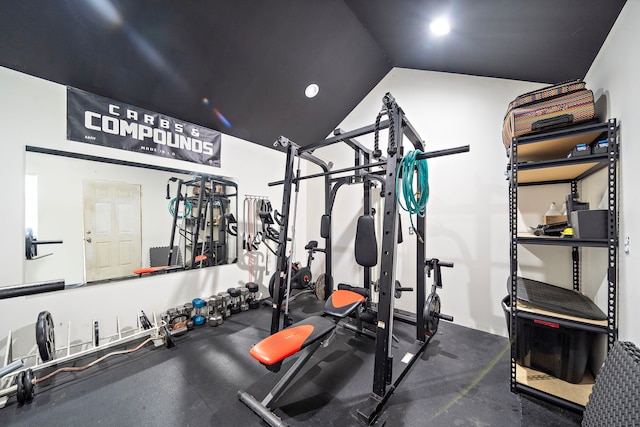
(304, 337)
(156, 270)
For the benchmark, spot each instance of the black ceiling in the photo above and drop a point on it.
(248, 61)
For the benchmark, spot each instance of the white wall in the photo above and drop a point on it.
(467, 210)
(613, 78)
(33, 112)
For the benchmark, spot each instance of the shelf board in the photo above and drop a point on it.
(528, 308)
(559, 143)
(546, 383)
(560, 171)
(531, 239)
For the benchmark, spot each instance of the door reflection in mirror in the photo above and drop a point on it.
(150, 223)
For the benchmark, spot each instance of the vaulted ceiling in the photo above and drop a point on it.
(241, 66)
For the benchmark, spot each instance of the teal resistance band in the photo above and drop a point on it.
(415, 201)
(187, 205)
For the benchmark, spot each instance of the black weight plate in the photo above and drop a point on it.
(96, 333)
(431, 311)
(168, 338)
(20, 393)
(45, 336)
(28, 385)
(272, 285)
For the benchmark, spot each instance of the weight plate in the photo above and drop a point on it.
(96, 333)
(20, 393)
(144, 321)
(168, 338)
(272, 284)
(397, 293)
(431, 312)
(321, 286)
(28, 385)
(45, 336)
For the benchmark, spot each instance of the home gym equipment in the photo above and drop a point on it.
(252, 298)
(306, 337)
(215, 310)
(45, 337)
(432, 313)
(200, 311)
(31, 245)
(302, 278)
(370, 167)
(202, 218)
(188, 310)
(244, 295)
(234, 300)
(20, 376)
(31, 288)
(225, 304)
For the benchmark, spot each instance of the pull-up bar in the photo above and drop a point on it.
(316, 175)
(445, 152)
(428, 155)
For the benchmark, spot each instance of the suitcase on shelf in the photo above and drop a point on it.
(554, 106)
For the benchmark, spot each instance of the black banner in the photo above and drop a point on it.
(101, 121)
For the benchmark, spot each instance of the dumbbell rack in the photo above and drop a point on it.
(8, 384)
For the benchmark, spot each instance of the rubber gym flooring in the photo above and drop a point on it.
(462, 379)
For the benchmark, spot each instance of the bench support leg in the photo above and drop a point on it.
(264, 409)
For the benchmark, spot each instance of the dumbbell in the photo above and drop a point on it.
(244, 298)
(226, 300)
(199, 312)
(253, 295)
(215, 310)
(234, 295)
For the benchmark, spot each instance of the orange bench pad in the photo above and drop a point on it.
(281, 345)
(342, 298)
(342, 302)
(149, 269)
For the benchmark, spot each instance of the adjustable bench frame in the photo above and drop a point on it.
(302, 338)
(398, 127)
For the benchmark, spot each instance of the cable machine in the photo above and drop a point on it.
(202, 218)
(369, 166)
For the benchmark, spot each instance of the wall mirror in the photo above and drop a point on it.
(92, 220)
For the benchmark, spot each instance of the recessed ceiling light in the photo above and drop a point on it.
(312, 90)
(440, 27)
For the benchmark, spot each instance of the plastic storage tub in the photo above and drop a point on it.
(550, 347)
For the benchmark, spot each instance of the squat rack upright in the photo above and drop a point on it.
(398, 127)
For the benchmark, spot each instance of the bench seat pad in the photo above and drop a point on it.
(291, 340)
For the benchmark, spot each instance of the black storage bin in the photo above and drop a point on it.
(591, 224)
(550, 347)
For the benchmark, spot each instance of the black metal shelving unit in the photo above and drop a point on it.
(540, 159)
